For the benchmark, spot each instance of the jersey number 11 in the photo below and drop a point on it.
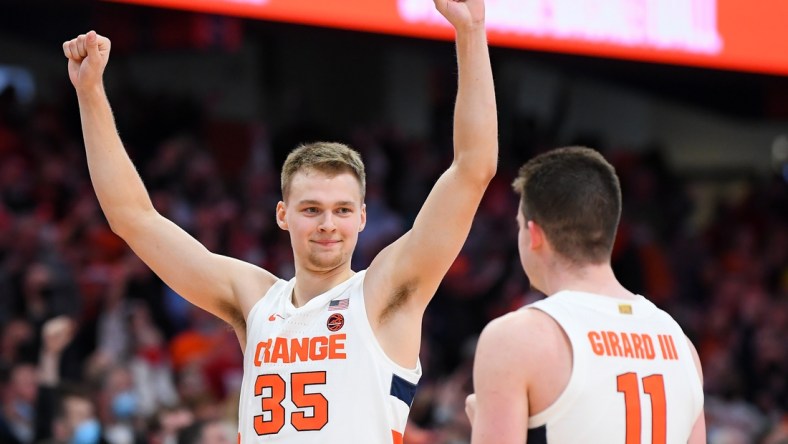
(654, 386)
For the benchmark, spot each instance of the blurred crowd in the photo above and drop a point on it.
(95, 348)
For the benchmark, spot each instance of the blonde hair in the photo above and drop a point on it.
(331, 158)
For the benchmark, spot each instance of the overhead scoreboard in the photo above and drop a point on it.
(740, 35)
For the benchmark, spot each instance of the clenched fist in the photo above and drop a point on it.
(87, 57)
(462, 14)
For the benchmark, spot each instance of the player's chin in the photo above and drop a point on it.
(326, 260)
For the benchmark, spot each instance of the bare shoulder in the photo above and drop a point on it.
(535, 348)
(522, 328)
(528, 320)
(523, 334)
(500, 354)
(251, 283)
(512, 352)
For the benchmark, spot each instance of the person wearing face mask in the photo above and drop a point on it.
(118, 406)
(76, 421)
(124, 406)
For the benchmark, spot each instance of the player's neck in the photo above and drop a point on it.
(311, 283)
(597, 279)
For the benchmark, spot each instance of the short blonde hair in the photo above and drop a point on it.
(327, 157)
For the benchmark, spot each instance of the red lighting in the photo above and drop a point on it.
(723, 34)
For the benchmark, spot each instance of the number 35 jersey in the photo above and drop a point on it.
(316, 373)
(633, 378)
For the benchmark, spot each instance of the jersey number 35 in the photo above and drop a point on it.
(302, 400)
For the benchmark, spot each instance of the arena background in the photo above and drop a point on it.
(209, 105)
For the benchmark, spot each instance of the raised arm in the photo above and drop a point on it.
(220, 285)
(404, 276)
(56, 335)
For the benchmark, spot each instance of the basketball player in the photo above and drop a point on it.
(331, 355)
(593, 362)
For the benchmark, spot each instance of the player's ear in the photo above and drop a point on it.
(536, 234)
(363, 217)
(281, 212)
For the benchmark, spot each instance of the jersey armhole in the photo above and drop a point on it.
(250, 317)
(412, 375)
(574, 387)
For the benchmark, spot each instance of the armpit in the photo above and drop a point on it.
(398, 298)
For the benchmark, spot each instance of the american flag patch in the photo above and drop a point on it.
(338, 304)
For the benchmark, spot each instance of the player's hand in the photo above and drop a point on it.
(462, 14)
(470, 407)
(87, 57)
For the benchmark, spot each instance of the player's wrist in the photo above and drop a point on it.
(471, 29)
(91, 92)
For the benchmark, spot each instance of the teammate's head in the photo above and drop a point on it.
(323, 204)
(573, 195)
(329, 158)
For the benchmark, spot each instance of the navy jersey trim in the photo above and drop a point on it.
(403, 390)
(537, 435)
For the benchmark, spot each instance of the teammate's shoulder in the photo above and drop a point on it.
(515, 338)
(501, 334)
(523, 324)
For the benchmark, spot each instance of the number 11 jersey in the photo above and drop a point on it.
(316, 373)
(633, 377)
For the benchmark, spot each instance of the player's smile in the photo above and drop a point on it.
(327, 243)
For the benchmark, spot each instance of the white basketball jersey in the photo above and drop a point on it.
(633, 377)
(316, 373)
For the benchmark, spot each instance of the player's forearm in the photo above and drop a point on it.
(119, 189)
(475, 113)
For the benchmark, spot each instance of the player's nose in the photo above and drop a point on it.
(327, 222)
